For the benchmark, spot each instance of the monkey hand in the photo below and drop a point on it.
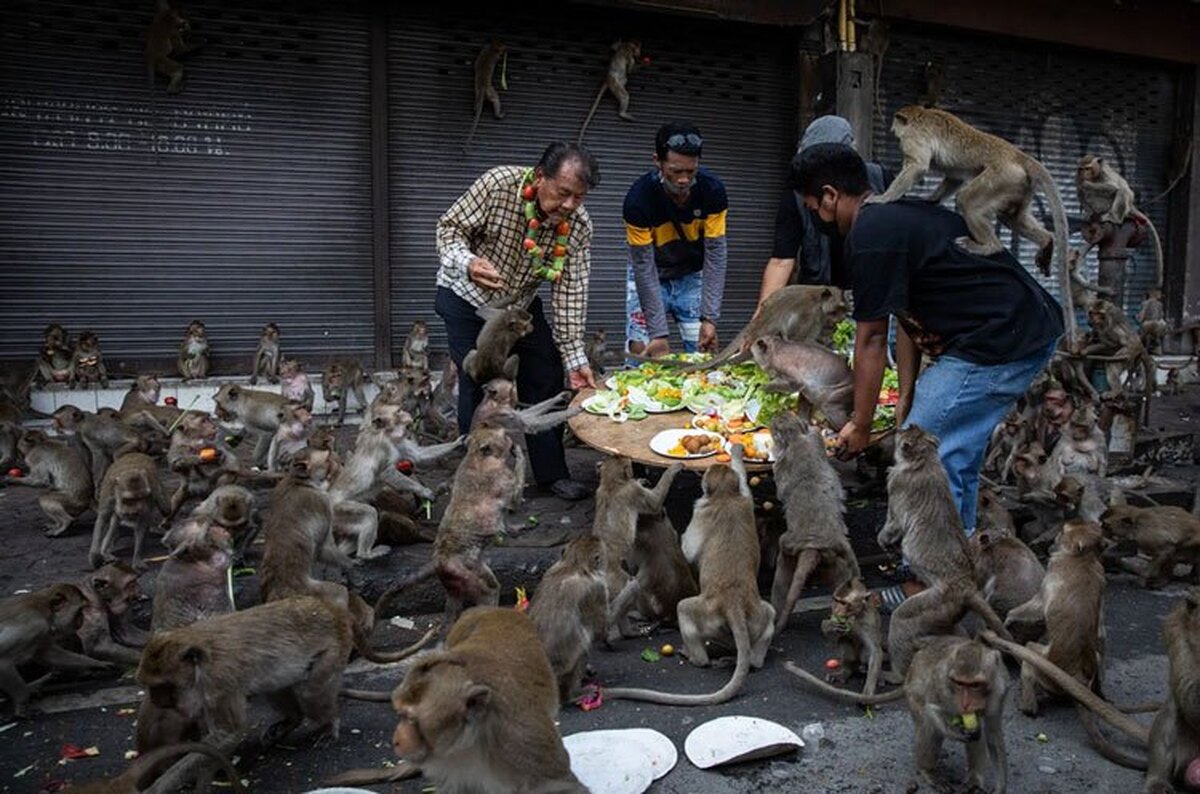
(674, 468)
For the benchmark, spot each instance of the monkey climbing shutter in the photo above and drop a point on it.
(253, 207)
(735, 82)
(1056, 104)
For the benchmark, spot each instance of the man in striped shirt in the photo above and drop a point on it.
(481, 243)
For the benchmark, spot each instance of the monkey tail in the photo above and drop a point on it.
(592, 112)
(403, 770)
(474, 124)
(1103, 746)
(382, 657)
(741, 638)
(730, 355)
(983, 609)
(424, 573)
(369, 695)
(147, 765)
(1071, 686)
(1042, 179)
(1154, 238)
(842, 695)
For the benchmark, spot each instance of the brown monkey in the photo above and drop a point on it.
(483, 709)
(29, 627)
(854, 627)
(260, 412)
(955, 690)
(1153, 321)
(142, 398)
(53, 363)
(625, 58)
(104, 437)
(663, 577)
(266, 358)
(87, 362)
(1083, 292)
(200, 457)
(440, 419)
(1009, 573)
(416, 347)
(1167, 535)
(620, 499)
(411, 390)
(169, 34)
(992, 515)
(58, 467)
(295, 387)
(1000, 183)
(1107, 196)
(934, 74)
(10, 433)
(821, 376)
(569, 611)
(192, 361)
(130, 495)
(596, 350)
(816, 541)
(1175, 735)
(231, 507)
(722, 542)
(291, 437)
(142, 771)
(503, 325)
(1113, 342)
(1082, 449)
(103, 628)
(923, 521)
(192, 583)
(338, 382)
(485, 66)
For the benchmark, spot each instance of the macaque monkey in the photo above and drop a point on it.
(626, 57)
(620, 499)
(1167, 535)
(58, 467)
(596, 350)
(816, 543)
(442, 412)
(1113, 342)
(1081, 450)
(141, 400)
(854, 627)
(923, 522)
(663, 577)
(291, 437)
(1107, 196)
(483, 709)
(503, 326)
(1153, 321)
(1083, 292)
(141, 773)
(822, 377)
(1000, 183)
(569, 611)
(934, 73)
(169, 34)
(485, 67)
(131, 495)
(722, 542)
(200, 457)
(53, 363)
(192, 584)
(104, 629)
(338, 382)
(193, 352)
(416, 347)
(1175, 734)
(411, 391)
(295, 387)
(30, 626)
(1009, 573)
(266, 358)
(231, 507)
(10, 433)
(104, 437)
(499, 409)
(260, 412)
(87, 362)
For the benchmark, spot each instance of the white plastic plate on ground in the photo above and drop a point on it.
(659, 751)
(619, 762)
(664, 441)
(730, 740)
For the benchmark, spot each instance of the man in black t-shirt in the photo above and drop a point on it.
(989, 324)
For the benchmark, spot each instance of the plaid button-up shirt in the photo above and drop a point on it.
(488, 221)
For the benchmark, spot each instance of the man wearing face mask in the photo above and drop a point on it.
(675, 227)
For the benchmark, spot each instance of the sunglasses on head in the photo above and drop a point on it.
(678, 141)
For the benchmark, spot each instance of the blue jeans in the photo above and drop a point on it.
(681, 300)
(961, 403)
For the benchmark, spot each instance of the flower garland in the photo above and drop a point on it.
(537, 255)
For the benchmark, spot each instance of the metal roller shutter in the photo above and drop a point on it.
(1056, 104)
(255, 208)
(734, 81)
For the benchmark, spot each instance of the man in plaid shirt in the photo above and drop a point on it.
(480, 242)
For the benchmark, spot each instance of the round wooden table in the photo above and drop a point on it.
(632, 439)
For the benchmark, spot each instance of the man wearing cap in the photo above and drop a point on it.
(675, 226)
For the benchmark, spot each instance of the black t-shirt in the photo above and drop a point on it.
(988, 310)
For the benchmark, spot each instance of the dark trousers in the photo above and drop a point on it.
(539, 377)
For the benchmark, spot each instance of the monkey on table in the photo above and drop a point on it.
(990, 325)
(491, 252)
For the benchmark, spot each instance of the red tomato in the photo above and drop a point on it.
(529, 244)
(560, 250)
(563, 228)
(832, 664)
(170, 401)
(528, 192)
(535, 224)
(404, 466)
(15, 472)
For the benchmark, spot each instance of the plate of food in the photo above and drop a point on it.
(757, 447)
(614, 406)
(686, 444)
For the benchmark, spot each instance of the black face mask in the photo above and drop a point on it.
(827, 228)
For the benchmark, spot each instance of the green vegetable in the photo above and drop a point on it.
(651, 655)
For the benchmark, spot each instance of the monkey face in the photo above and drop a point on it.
(289, 368)
(149, 387)
(519, 321)
(31, 440)
(66, 602)
(915, 445)
(270, 333)
(502, 392)
(133, 488)
(54, 335)
(67, 418)
(438, 706)
(171, 672)
(117, 586)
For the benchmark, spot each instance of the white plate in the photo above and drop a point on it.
(697, 422)
(652, 406)
(610, 766)
(757, 436)
(663, 442)
(729, 740)
(591, 405)
(654, 747)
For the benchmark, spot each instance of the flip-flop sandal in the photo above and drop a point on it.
(891, 598)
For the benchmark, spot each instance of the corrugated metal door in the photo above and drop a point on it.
(253, 207)
(1056, 104)
(734, 81)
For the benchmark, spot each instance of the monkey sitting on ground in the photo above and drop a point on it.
(294, 384)
(722, 542)
(854, 626)
(440, 419)
(291, 437)
(662, 576)
(142, 771)
(338, 382)
(816, 542)
(10, 433)
(131, 495)
(1153, 321)
(260, 412)
(1166, 535)
(1009, 573)
(620, 499)
(625, 58)
(231, 507)
(266, 358)
(416, 347)
(1175, 735)
(503, 325)
(485, 66)
(924, 523)
(142, 399)
(192, 361)
(1107, 196)
(192, 583)
(1000, 181)
(30, 626)
(200, 457)
(569, 611)
(1082, 449)
(821, 376)
(53, 363)
(87, 362)
(58, 467)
